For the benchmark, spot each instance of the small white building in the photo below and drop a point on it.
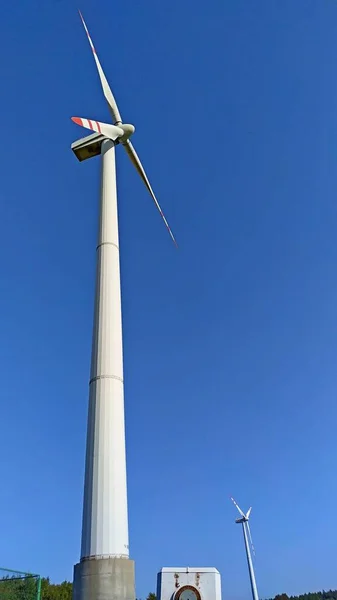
(188, 583)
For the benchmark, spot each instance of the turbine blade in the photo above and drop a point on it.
(111, 131)
(248, 512)
(105, 86)
(250, 538)
(135, 160)
(238, 507)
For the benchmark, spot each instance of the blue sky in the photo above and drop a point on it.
(230, 342)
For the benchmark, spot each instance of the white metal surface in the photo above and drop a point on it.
(250, 563)
(206, 580)
(250, 538)
(105, 520)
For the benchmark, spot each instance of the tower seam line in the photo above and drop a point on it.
(107, 244)
(97, 377)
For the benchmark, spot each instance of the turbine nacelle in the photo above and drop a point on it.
(244, 517)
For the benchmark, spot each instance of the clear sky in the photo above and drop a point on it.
(231, 341)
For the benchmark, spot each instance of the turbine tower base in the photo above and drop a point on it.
(104, 579)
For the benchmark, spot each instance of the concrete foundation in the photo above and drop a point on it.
(104, 579)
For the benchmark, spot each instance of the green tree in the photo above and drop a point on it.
(18, 588)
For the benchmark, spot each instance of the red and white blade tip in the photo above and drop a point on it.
(110, 131)
(87, 123)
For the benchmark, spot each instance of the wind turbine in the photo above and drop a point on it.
(244, 520)
(105, 571)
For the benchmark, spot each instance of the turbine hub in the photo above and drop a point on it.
(128, 131)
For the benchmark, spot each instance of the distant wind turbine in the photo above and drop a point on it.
(244, 520)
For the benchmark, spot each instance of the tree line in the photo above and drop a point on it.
(323, 595)
(13, 587)
(18, 588)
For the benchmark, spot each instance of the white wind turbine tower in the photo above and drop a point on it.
(244, 520)
(105, 571)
